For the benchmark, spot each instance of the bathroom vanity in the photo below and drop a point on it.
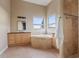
(19, 38)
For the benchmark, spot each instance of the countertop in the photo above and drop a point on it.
(18, 32)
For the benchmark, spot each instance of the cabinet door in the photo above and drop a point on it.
(70, 45)
(28, 37)
(11, 39)
(70, 7)
(18, 39)
(25, 38)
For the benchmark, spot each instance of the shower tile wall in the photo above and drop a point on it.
(70, 12)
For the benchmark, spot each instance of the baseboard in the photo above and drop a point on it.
(3, 50)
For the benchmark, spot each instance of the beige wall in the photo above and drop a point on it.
(52, 8)
(21, 8)
(51, 11)
(4, 23)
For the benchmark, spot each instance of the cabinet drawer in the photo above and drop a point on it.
(11, 42)
(11, 39)
(18, 38)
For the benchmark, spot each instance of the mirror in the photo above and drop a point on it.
(21, 24)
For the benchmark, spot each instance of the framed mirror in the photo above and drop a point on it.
(21, 24)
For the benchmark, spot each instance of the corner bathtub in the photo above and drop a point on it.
(41, 41)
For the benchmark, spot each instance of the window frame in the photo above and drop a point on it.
(41, 25)
(52, 23)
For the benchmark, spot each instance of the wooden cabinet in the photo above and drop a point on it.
(70, 35)
(53, 42)
(70, 7)
(21, 38)
(18, 39)
(11, 40)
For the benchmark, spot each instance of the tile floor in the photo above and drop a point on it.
(29, 52)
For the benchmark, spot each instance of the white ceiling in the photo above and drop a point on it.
(39, 2)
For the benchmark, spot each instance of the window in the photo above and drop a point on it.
(52, 21)
(38, 22)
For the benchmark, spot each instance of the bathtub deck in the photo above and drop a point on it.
(29, 52)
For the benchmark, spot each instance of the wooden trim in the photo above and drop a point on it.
(70, 15)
